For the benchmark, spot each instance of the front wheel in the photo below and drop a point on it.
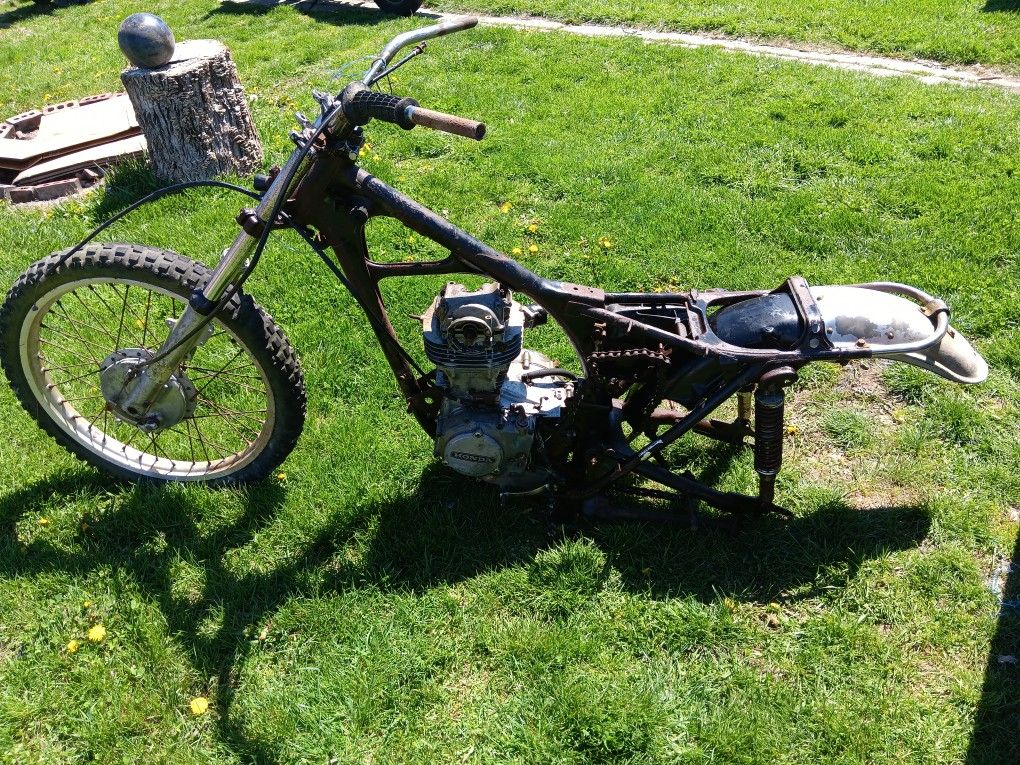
(69, 329)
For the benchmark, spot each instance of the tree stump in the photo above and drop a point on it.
(194, 114)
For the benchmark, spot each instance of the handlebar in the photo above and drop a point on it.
(360, 105)
(401, 41)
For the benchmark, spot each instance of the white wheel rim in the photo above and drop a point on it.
(87, 429)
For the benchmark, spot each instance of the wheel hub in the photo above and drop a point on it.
(175, 401)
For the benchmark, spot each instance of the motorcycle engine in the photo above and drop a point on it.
(491, 409)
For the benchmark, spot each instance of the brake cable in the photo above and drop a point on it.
(417, 50)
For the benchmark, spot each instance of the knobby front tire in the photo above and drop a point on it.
(243, 386)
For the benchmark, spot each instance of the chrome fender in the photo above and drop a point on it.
(859, 317)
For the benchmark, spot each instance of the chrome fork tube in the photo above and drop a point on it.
(139, 394)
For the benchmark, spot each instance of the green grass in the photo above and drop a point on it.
(369, 606)
(955, 31)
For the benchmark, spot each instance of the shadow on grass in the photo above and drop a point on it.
(992, 6)
(30, 9)
(438, 535)
(327, 12)
(996, 735)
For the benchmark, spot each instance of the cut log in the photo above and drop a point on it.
(194, 114)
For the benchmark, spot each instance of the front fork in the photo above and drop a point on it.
(183, 339)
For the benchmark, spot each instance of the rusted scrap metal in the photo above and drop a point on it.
(65, 148)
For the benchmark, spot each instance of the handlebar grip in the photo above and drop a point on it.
(456, 25)
(448, 123)
(363, 105)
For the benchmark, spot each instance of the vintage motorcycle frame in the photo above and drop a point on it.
(654, 347)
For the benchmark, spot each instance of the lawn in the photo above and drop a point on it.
(366, 605)
(954, 31)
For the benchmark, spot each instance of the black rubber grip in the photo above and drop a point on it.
(362, 105)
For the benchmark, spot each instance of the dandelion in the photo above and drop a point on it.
(792, 430)
(281, 476)
(72, 646)
(88, 604)
(505, 207)
(199, 705)
(375, 157)
(47, 97)
(533, 249)
(97, 634)
(606, 242)
(533, 228)
(516, 250)
(44, 521)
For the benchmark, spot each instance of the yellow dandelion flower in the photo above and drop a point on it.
(533, 249)
(72, 646)
(516, 250)
(44, 521)
(375, 157)
(607, 244)
(47, 97)
(97, 634)
(88, 604)
(281, 476)
(505, 207)
(533, 228)
(792, 430)
(199, 705)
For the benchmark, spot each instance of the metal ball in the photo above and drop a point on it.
(146, 40)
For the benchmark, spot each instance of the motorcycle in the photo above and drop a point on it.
(148, 365)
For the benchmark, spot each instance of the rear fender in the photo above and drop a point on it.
(881, 321)
(856, 319)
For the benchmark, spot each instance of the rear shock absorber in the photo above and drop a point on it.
(769, 412)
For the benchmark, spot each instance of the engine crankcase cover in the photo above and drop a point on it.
(474, 453)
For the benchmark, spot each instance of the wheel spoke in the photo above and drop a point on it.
(88, 351)
(123, 310)
(92, 314)
(239, 352)
(145, 321)
(90, 373)
(229, 418)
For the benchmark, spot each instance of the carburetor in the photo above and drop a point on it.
(491, 409)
